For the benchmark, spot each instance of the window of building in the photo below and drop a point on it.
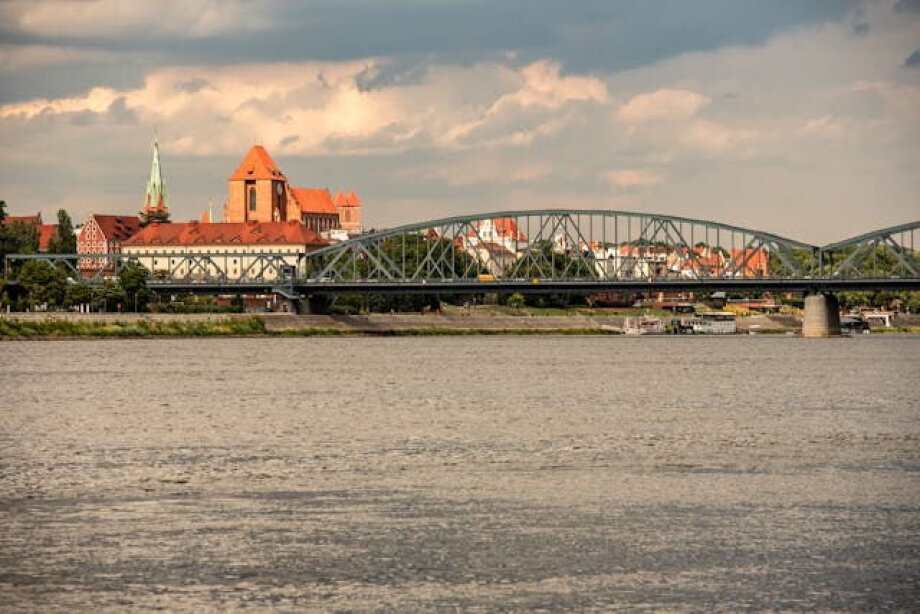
(252, 198)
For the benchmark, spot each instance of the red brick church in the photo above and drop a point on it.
(259, 192)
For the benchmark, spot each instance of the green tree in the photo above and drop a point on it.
(16, 238)
(45, 283)
(77, 294)
(133, 280)
(803, 259)
(515, 301)
(854, 299)
(912, 302)
(110, 296)
(64, 240)
(542, 261)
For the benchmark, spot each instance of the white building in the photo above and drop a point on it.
(235, 251)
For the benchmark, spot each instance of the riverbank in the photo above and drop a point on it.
(50, 326)
(75, 325)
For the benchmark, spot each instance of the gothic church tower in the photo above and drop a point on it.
(258, 190)
(155, 197)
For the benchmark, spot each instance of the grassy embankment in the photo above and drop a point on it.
(140, 328)
(14, 329)
(912, 330)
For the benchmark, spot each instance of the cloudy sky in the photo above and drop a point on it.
(800, 117)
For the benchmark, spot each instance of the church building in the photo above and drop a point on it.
(259, 192)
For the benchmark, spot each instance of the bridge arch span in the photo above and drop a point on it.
(560, 243)
(897, 246)
(525, 213)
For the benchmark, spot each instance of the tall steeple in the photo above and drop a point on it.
(155, 197)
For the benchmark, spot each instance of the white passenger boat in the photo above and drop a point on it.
(714, 323)
(643, 325)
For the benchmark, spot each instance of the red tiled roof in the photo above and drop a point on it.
(505, 227)
(257, 165)
(28, 220)
(46, 232)
(233, 233)
(755, 261)
(117, 227)
(314, 200)
(350, 199)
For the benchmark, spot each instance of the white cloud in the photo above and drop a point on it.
(632, 177)
(96, 100)
(318, 108)
(710, 136)
(826, 126)
(662, 104)
(532, 109)
(488, 168)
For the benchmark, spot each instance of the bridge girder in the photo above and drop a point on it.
(558, 244)
(859, 256)
(596, 248)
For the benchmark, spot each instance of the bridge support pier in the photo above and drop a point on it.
(822, 315)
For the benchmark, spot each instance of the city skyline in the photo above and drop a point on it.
(795, 119)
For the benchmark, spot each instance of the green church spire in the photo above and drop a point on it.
(155, 198)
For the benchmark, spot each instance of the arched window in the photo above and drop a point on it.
(252, 198)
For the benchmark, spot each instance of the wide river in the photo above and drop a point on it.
(460, 473)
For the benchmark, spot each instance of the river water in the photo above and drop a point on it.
(470, 473)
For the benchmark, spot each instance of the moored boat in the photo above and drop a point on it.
(643, 325)
(713, 323)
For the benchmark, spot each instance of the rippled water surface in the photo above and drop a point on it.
(480, 473)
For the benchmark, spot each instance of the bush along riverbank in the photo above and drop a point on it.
(254, 326)
(19, 329)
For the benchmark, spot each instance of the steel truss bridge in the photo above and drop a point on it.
(552, 250)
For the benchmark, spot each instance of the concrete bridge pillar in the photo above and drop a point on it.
(822, 316)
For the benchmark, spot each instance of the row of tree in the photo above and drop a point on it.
(43, 285)
(19, 238)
